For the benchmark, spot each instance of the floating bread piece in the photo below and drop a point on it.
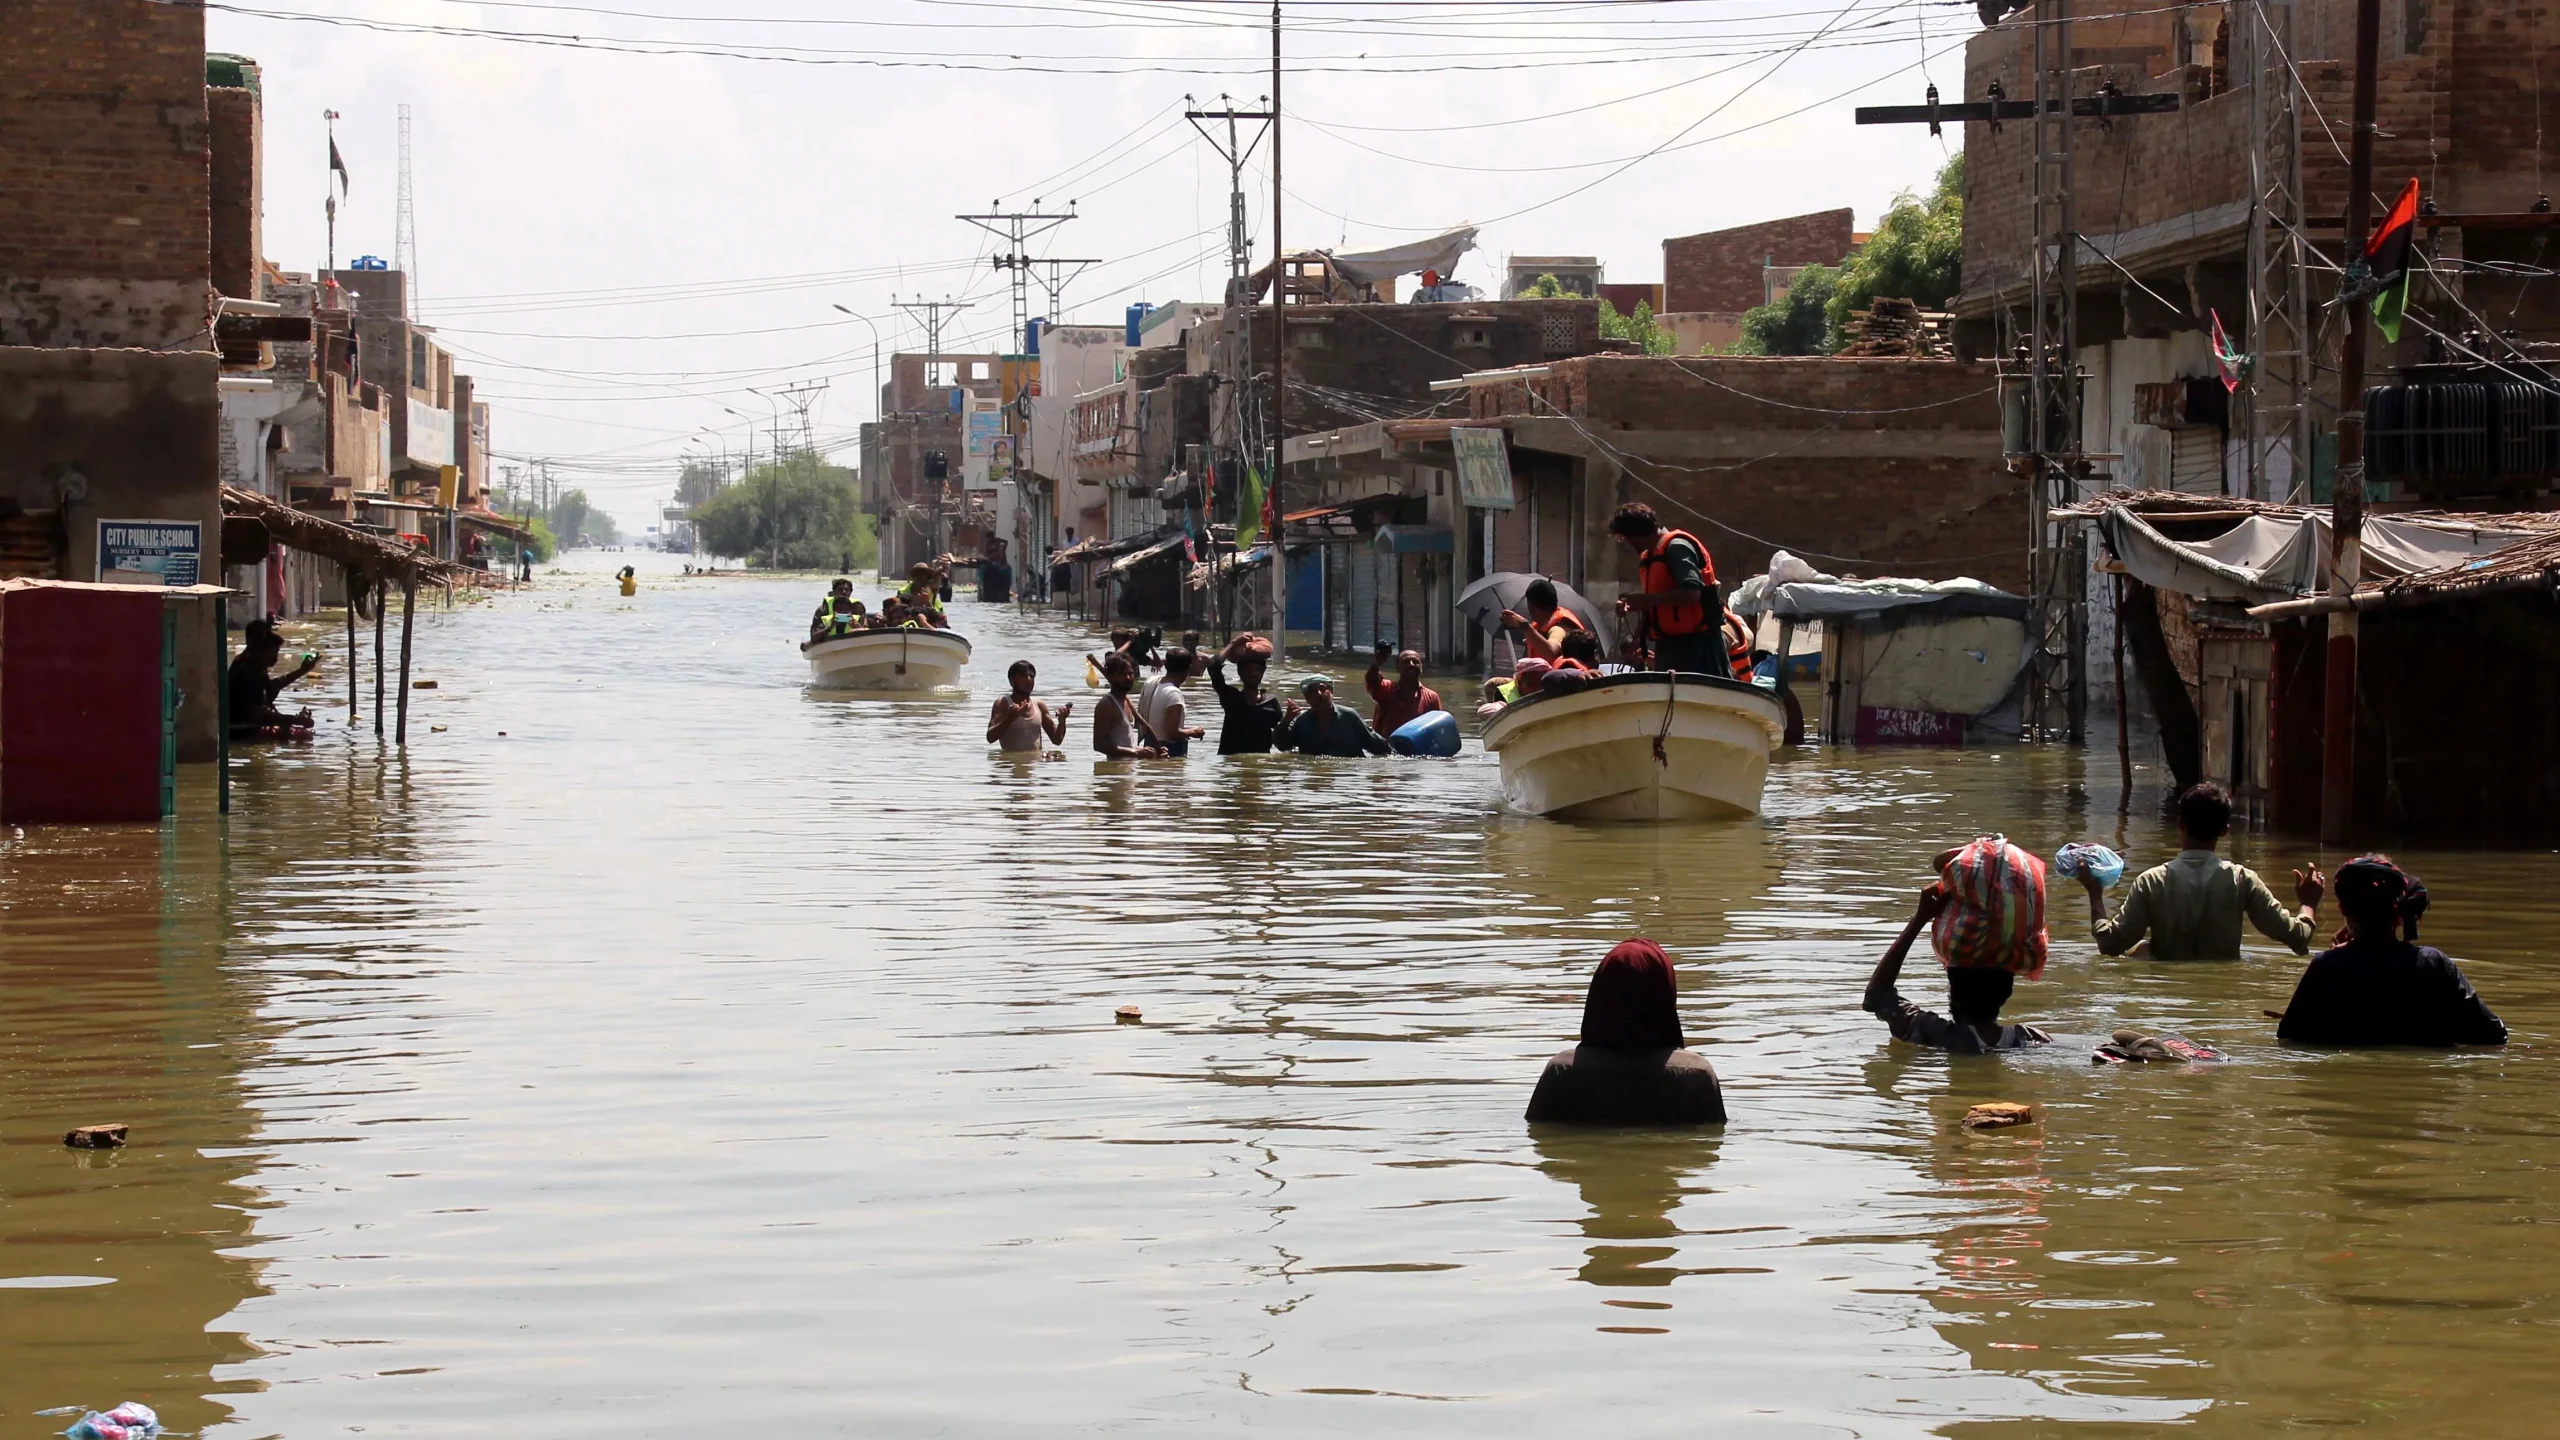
(1999, 1115)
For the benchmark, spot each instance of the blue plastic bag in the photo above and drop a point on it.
(2096, 860)
(1434, 734)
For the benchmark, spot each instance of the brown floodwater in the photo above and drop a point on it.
(701, 1055)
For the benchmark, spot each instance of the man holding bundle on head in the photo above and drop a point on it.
(1986, 919)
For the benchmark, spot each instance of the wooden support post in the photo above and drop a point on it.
(379, 596)
(408, 623)
(347, 582)
(1786, 692)
(222, 696)
(2124, 731)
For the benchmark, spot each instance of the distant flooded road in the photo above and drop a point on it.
(660, 1049)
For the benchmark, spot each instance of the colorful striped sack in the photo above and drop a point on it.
(1994, 916)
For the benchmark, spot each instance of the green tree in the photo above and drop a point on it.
(798, 514)
(1796, 323)
(569, 516)
(1916, 254)
(1638, 327)
(699, 482)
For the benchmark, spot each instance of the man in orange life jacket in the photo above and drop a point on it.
(1679, 601)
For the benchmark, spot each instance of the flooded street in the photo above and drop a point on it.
(658, 1046)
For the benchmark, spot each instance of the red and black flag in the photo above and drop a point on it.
(2386, 259)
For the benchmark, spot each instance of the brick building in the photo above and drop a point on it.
(108, 370)
(1867, 466)
(924, 427)
(2165, 206)
(1709, 280)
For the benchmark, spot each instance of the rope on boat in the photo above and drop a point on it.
(1670, 698)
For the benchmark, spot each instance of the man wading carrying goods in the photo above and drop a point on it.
(1679, 609)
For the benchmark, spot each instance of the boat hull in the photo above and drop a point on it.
(887, 660)
(1590, 754)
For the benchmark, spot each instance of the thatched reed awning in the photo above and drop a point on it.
(367, 556)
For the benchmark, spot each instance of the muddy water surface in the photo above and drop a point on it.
(701, 1049)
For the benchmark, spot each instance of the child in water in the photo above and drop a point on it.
(1986, 919)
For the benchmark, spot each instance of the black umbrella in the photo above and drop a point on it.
(1484, 601)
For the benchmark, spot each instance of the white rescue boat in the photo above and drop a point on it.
(901, 659)
(1644, 746)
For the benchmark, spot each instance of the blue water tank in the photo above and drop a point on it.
(1137, 322)
(1434, 734)
(1031, 335)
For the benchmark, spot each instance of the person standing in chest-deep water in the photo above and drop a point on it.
(2191, 907)
(1252, 718)
(1162, 707)
(1324, 728)
(1118, 733)
(1019, 723)
(1986, 919)
(1633, 1066)
(2377, 985)
(1398, 701)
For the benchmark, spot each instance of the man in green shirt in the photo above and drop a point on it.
(2191, 907)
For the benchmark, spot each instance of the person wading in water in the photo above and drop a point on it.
(1633, 1066)
(1018, 723)
(2377, 985)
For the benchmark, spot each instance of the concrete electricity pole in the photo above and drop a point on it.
(2346, 505)
(1015, 228)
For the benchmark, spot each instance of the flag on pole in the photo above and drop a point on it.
(1250, 520)
(2227, 358)
(338, 163)
(2386, 258)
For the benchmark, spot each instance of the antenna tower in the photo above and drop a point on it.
(933, 313)
(801, 397)
(404, 240)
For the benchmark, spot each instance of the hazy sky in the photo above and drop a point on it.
(624, 246)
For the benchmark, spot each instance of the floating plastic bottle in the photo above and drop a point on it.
(2076, 859)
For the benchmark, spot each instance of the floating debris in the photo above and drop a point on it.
(1999, 1115)
(95, 1137)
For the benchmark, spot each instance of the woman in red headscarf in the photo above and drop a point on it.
(1632, 1067)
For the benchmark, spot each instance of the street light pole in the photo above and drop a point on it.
(876, 403)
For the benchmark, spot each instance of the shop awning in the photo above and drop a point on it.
(1126, 563)
(485, 520)
(360, 553)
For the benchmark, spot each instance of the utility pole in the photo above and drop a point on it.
(2277, 388)
(1016, 228)
(2346, 512)
(934, 313)
(2057, 550)
(1279, 372)
(801, 396)
(1235, 149)
(1056, 281)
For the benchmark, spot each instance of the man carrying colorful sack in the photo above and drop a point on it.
(1986, 919)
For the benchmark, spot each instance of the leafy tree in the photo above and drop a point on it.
(1638, 327)
(798, 514)
(1796, 323)
(569, 516)
(1916, 254)
(699, 482)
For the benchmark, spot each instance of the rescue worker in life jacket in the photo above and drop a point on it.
(1545, 624)
(838, 615)
(1679, 604)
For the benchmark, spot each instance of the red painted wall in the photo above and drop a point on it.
(79, 706)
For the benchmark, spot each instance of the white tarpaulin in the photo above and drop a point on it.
(2278, 557)
(1438, 253)
(1812, 599)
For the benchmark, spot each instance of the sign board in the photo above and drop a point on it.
(150, 552)
(984, 426)
(448, 481)
(430, 439)
(1000, 459)
(1484, 467)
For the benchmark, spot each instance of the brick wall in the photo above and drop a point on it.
(1386, 356)
(103, 224)
(1753, 454)
(236, 159)
(1720, 270)
(121, 435)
